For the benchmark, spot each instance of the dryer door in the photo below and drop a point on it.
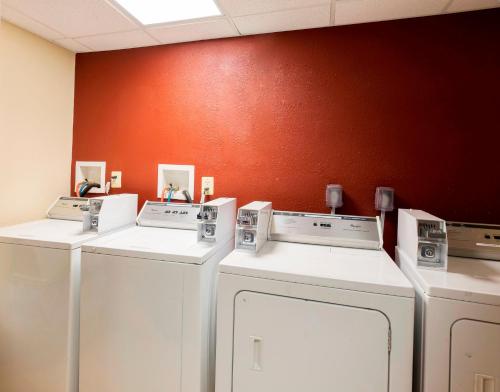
(294, 345)
(475, 357)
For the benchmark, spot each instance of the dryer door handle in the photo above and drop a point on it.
(256, 347)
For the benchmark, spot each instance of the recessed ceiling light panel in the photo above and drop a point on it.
(150, 12)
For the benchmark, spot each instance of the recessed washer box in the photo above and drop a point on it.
(180, 176)
(93, 172)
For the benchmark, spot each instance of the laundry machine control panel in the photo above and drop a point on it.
(68, 208)
(326, 229)
(475, 240)
(169, 215)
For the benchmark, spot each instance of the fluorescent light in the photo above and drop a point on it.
(163, 11)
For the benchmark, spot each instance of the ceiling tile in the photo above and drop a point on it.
(75, 18)
(207, 29)
(360, 11)
(303, 18)
(29, 24)
(127, 39)
(469, 5)
(72, 45)
(250, 7)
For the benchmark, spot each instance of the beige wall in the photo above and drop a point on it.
(36, 123)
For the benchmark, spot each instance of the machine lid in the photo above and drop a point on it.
(364, 270)
(153, 243)
(47, 233)
(467, 279)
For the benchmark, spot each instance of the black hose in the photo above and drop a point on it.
(87, 187)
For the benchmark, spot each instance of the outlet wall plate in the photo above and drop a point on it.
(181, 176)
(116, 179)
(207, 182)
(93, 172)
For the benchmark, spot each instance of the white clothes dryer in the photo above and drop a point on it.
(320, 307)
(457, 318)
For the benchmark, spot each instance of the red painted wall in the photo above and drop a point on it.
(412, 104)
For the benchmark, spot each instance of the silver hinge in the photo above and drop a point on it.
(389, 341)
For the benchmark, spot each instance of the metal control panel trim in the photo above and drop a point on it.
(68, 208)
(473, 240)
(169, 215)
(325, 229)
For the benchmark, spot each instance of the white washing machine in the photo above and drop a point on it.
(39, 291)
(312, 304)
(148, 302)
(457, 320)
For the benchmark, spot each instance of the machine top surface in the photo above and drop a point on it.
(48, 233)
(467, 279)
(155, 243)
(364, 270)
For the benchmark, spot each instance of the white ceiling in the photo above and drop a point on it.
(96, 25)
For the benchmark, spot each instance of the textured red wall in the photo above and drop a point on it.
(412, 104)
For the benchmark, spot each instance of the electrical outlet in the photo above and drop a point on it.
(207, 182)
(116, 179)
